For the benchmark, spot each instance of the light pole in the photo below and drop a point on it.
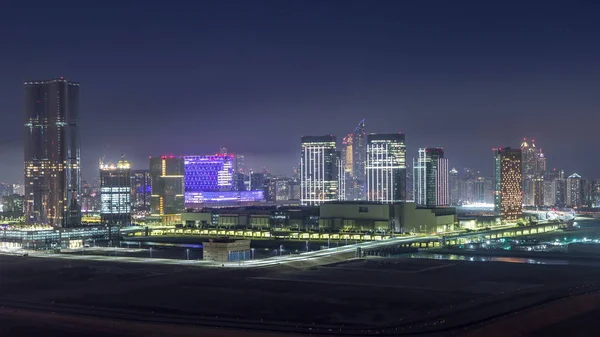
(307, 246)
(187, 251)
(252, 249)
(150, 252)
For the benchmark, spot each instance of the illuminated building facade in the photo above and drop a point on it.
(141, 192)
(431, 178)
(166, 176)
(347, 168)
(115, 193)
(533, 168)
(318, 170)
(574, 190)
(386, 168)
(359, 153)
(508, 188)
(52, 153)
(453, 184)
(212, 178)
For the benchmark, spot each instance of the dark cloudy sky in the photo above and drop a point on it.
(185, 77)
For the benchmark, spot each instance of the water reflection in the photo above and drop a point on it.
(487, 259)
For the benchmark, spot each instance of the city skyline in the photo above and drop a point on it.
(379, 67)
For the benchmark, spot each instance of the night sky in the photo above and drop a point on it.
(186, 77)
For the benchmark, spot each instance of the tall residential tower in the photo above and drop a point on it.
(508, 191)
(52, 153)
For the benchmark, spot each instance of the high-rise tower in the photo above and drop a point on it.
(431, 178)
(52, 153)
(115, 193)
(318, 170)
(508, 191)
(359, 160)
(386, 167)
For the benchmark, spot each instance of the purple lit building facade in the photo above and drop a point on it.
(210, 179)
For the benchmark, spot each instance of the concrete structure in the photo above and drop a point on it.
(376, 217)
(318, 170)
(52, 153)
(226, 250)
(257, 217)
(508, 183)
(386, 168)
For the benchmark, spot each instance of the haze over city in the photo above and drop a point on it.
(299, 167)
(254, 76)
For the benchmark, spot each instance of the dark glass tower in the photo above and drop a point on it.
(52, 154)
(166, 177)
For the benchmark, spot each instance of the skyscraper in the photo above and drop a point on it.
(52, 154)
(115, 193)
(358, 160)
(318, 170)
(431, 178)
(386, 168)
(141, 192)
(533, 169)
(166, 176)
(453, 186)
(574, 190)
(347, 169)
(508, 188)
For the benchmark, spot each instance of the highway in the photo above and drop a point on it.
(316, 257)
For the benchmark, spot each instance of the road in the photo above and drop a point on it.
(314, 257)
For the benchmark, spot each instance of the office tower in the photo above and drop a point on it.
(550, 192)
(508, 188)
(431, 178)
(52, 158)
(574, 191)
(90, 198)
(166, 176)
(17, 189)
(239, 164)
(347, 156)
(410, 189)
(115, 193)
(533, 169)
(386, 167)
(358, 160)
(561, 191)
(318, 170)
(453, 186)
(12, 205)
(341, 163)
(141, 192)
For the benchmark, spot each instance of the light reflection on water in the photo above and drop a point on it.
(486, 259)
